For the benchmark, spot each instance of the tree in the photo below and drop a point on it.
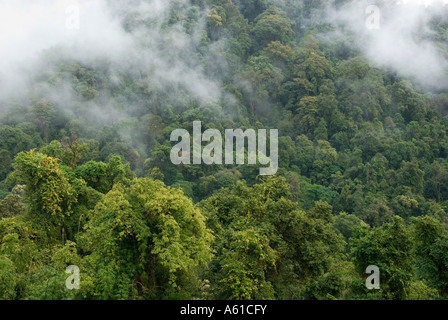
(325, 161)
(11, 205)
(215, 20)
(14, 140)
(252, 8)
(436, 181)
(45, 114)
(430, 239)
(5, 163)
(145, 241)
(307, 114)
(265, 242)
(245, 263)
(412, 176)
(48, 192)
(310, 70)
(346, 223)
(390, 248)
(7, 279)
(272, 25)
(74, 151)
(282, 56)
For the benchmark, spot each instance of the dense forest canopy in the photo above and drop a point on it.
(86, 178)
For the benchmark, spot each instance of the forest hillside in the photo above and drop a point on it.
(361, 109)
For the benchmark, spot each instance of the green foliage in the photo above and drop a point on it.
(390, 248)
(268, 248)
(48, 191)
(144, 241)
(272, 25)
(430, 238)
(362, 179)
(244, 264)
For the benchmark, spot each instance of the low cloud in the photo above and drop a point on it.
(404, 40)
(31, 28)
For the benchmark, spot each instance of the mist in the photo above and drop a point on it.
(110, 34)
(115, 36)
(403, 40)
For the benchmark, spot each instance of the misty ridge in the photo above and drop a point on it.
(105, 40)
(132, 38)
(83, 68)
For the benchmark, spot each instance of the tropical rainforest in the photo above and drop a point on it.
(86, 177)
